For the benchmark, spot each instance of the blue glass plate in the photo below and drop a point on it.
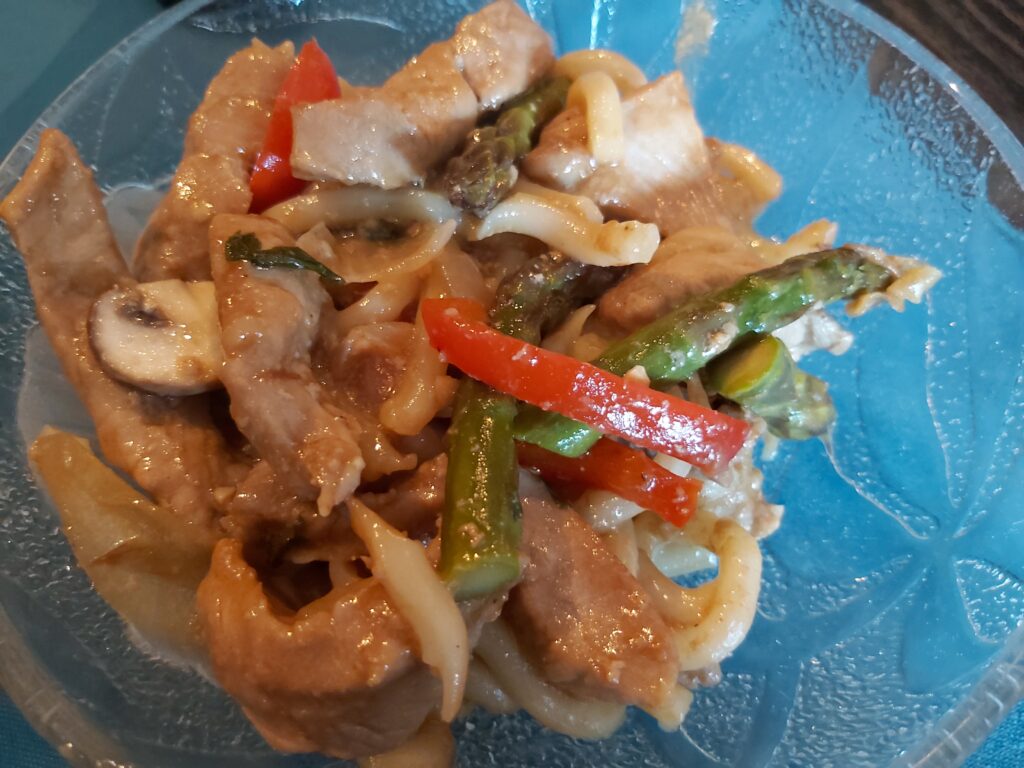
(886, 629)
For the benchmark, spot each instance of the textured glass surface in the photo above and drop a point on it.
(896, 582)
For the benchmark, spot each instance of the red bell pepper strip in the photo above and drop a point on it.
(553, 382)
(624, 471)
(312, 78)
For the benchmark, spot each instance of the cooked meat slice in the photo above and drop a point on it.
(269, 320)
(389, 136)
(413, 504)
(368, 361)
(665, 176)
(175, 241)
(501, 50)
(169, 446)
(584, 618)
(688, 263)
(224, 135)
(232, 118)
(338, 676)
(262, 511)
(392, 135)
(360, 369)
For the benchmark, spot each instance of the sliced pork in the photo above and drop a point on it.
(665, 175)
(689, 263)
(269, 320)
(339, 675)
(368, 361)
(169, 446)
(224, 136)
(413, 504)
(393, 135)
(501, 51)
(585, 619)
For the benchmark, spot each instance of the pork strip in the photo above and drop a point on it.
(688, 263)
(665, 176)
(583, 617)
(340, 676)
(169, 446)
(223, 138)
(269, 320)
(393, 135)
(501, 51)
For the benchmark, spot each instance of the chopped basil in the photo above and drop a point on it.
(246, 247)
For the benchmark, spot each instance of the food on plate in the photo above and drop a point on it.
(423, 396)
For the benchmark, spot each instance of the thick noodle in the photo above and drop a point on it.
(384, 302)
(402, 567)
(763, 181)
(715, 617)
(570, 226)
(484, 690)
(679, 606)
(348, 206)
(626, 75)
(597, 98)
(548, 705)
(354, 261)
(424, 388)
(604, 510)
(622, 543)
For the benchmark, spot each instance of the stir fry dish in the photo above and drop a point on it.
(423, 397)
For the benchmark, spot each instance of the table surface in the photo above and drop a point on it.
(983, 40)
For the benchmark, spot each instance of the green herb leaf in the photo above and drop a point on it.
(246, 247)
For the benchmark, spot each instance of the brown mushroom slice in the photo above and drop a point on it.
(162, 337)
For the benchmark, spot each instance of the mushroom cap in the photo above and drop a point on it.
(162, 337)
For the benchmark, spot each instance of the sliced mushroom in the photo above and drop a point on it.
(162, 337)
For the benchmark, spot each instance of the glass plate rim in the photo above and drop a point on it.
(951, 740)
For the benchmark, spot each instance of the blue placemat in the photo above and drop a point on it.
(47, 43)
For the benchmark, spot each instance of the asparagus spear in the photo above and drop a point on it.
(480, 526)
(760, 374)
(485, 171)
(677, 345)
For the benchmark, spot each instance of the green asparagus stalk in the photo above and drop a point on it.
(480, 526)
(674, 347)
(532, 301)
(486, 170)
(759, 373)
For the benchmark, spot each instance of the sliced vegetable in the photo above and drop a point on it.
(761, 375)
(538, 297)
(485, 171)
(312, 78)
(609, 403)
(402, 567)
(674, 347)
(625, 471)
(480, 526)
(246, 247)
(162, 337)
(140, 558)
